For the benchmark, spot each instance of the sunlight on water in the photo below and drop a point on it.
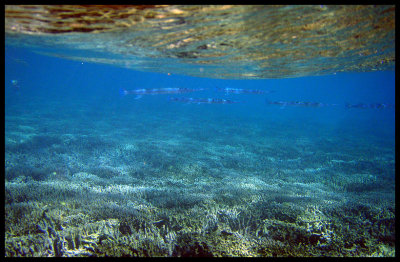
(241, 42)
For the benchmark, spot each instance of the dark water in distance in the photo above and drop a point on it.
(258, 176)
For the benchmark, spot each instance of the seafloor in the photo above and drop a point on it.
(77, 185)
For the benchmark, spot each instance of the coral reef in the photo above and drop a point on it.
(189, 194)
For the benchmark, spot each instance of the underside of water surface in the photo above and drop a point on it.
(229, 42)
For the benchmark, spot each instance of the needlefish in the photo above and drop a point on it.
(190, 100)
(372, 106)
(229, 90)
(156, 91)
(283, 104)
(298, 104)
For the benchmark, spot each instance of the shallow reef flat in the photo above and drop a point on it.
(168, 193)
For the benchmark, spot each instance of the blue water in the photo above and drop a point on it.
(66, 118)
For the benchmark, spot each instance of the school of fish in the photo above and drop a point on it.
(189, 100)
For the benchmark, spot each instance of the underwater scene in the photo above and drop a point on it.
(103, 159)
